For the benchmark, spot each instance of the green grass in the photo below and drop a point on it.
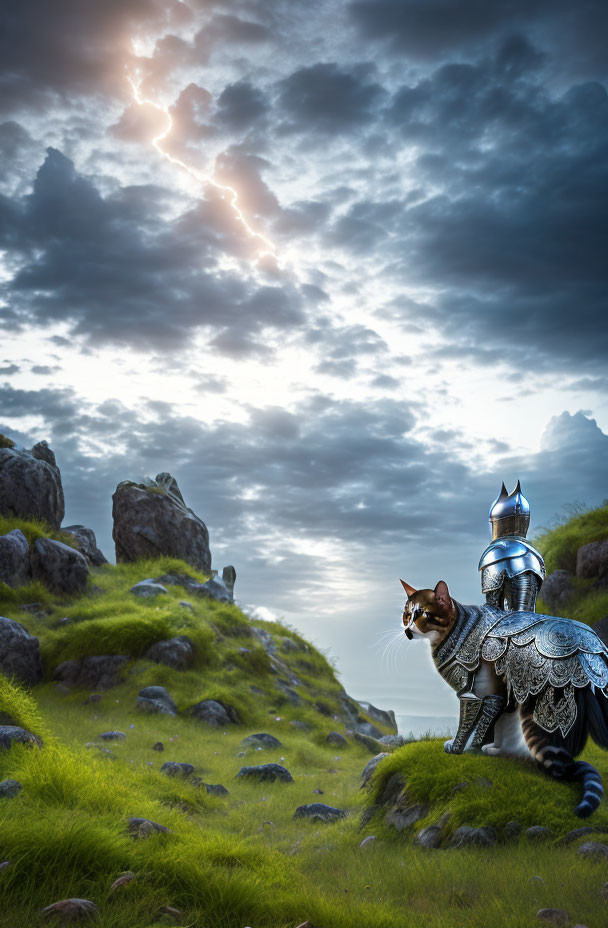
(559, 545)
(222, 864)
(34, 529)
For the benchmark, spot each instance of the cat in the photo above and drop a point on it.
(529, 685)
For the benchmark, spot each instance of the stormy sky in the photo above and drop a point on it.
(340, 267)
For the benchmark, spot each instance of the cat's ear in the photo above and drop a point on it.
(410, 590)
(442, 596)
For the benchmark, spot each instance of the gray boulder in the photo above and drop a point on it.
(465, 836)
(429, 837)
(367, 728)
(319, 812)
(152, 519)
(9, 789)
(592, 560)
(394, 741)
(594, 849)
(146, 588)
(144, 827)
(215, 713)
(336, 740)
(15, 568)
(88, 543)
(155, 699)
(266, 772)
(19, 653)
(30, 484)
(556, 588)
(261, 740)
(175, 652)
(113, 736)
(61, 568)
(174, 769)
(100, 672)
(401, 818)
(538, 833)
(370, 767)
(215, 789)
(384, 717)
(14, 734)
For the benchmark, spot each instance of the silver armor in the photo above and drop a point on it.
(512, 570)
(538, 655)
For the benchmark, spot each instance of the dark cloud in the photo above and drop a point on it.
(240, 105)
(71, 47)
(426, 29)
(112, 267)
(325, 98)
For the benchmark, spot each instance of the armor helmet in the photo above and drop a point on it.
(510, 513)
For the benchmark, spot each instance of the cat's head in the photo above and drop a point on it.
(428, 614)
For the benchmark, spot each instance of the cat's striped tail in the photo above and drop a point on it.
(559, 763)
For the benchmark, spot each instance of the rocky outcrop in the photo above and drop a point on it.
(19, 653)
(384, 717)
(61, 568)
(30, 484)
(87, 543)
(151, 520)
(556, 588)
(592, 560)
(100, 672)
(175, 652)
(15, 567)
(261, 740)
(218, 588)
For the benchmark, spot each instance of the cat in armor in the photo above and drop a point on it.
(528, 685)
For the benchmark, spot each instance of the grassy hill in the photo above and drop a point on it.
(243, 859)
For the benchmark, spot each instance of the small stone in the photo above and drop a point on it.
(122, 881)
(556, 917)
(174, 769)
(13, 734)
(429, 837)
(158, 746)
(9, 788)
(92, 697)
(536, 879)
(71, 910)
(113, 736)
(143, 827)
(261, 740)
(186, 604)
(400, 819)
(336, 739)
(512, 830)
(215, 789)
(242, 754)
(319, 812)
(5, 865)
(367, 841)
(265, 772)
(319, 792)
(465, 836)
(538, 833)
(593, 849)
(155, 699)
(577, 833)
(147, 588)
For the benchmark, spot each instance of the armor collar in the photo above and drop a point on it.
(463, 640)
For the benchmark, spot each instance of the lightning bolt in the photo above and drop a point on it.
(228, 193)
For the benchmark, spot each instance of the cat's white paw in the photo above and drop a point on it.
(491, 750)
(447, 746)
